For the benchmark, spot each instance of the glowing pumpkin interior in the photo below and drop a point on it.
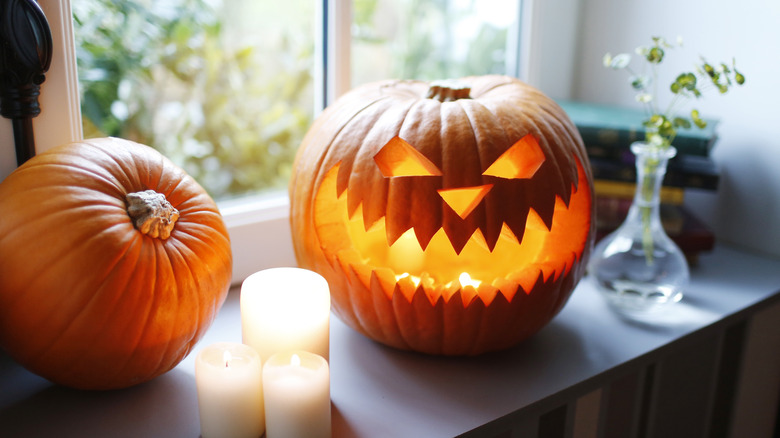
(364, 249)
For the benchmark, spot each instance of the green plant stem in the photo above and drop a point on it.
(647, 192)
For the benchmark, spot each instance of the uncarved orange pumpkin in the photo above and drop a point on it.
(113, 263)
(450, 218)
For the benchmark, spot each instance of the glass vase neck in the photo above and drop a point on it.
(640, 148)
(651, 162)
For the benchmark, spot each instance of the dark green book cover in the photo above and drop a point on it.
(609, 130)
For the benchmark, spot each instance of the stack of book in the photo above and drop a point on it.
(608, 132)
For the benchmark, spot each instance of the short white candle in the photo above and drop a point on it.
(230, 391)
(285, 309)
(296, 387)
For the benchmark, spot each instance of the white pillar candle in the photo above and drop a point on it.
(285, 309)
(296, 388)
(229, 379)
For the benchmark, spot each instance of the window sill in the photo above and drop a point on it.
(568, 377)
(259, 229)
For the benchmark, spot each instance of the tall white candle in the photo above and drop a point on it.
(230, 391)
(296, 388)
(285, 309)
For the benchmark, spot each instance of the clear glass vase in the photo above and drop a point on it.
(638, 268)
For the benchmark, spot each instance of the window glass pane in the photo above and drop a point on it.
(430, 39)
(222, 87)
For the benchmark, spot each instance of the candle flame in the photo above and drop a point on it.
(465, 280)
(295, 360)
(227, 357)
(415, 279)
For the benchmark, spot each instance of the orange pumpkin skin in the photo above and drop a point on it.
(86, 299)
(368, 212)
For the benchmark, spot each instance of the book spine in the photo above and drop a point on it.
(627, 190)
(683, 173)
(611, 142)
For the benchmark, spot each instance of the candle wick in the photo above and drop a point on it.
(227, 357)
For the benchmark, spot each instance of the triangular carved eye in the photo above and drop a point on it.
(399, 158)
(522, 160)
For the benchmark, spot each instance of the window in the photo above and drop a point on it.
(445, 39)
(347, 42)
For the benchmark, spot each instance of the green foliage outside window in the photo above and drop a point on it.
(162, 74)
(170, 74)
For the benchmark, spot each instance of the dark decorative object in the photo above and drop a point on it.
(25, 55)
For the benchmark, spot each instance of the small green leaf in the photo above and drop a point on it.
(686, 81)
(739, 77)
(709, 70)
(667, 128)
(697, 120)
(656, 120)
(655, 55)
(681, 122)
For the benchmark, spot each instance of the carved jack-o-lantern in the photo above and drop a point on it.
(447, 219)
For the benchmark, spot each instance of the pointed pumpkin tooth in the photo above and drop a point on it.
(479, 239)
(354, 205)
(487, 293)
(457, 238)
(395, 227)
(490, 234)
(517, 223)
(398, 217)
(424, 234)
(383, 279)
(547, 217)
(508, 288)
(544, 206)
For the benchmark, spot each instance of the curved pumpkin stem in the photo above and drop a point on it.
(151, 213)
(448, 91)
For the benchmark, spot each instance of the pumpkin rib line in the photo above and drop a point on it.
(92, 297)
(560, 130)
(186, 263)
(70, 167)
(153, 277)
(169, 192)
(130, 172)
(354, 188)
(151, 304)
(56, 257)
(107, 320)
(493, 87)
(176, 295)
(323, 153)
(149, 319)
(488, 216)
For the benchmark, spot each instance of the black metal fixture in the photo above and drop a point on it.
(25, 55)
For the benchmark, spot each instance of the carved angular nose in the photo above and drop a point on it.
(464, 200)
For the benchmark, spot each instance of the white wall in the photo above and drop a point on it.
(746, 208)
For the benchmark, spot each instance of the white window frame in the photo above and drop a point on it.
(259, 226)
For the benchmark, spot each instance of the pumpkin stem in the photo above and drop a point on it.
(151, 213)
(448, 91)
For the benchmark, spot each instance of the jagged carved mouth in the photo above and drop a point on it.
(477, 267)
